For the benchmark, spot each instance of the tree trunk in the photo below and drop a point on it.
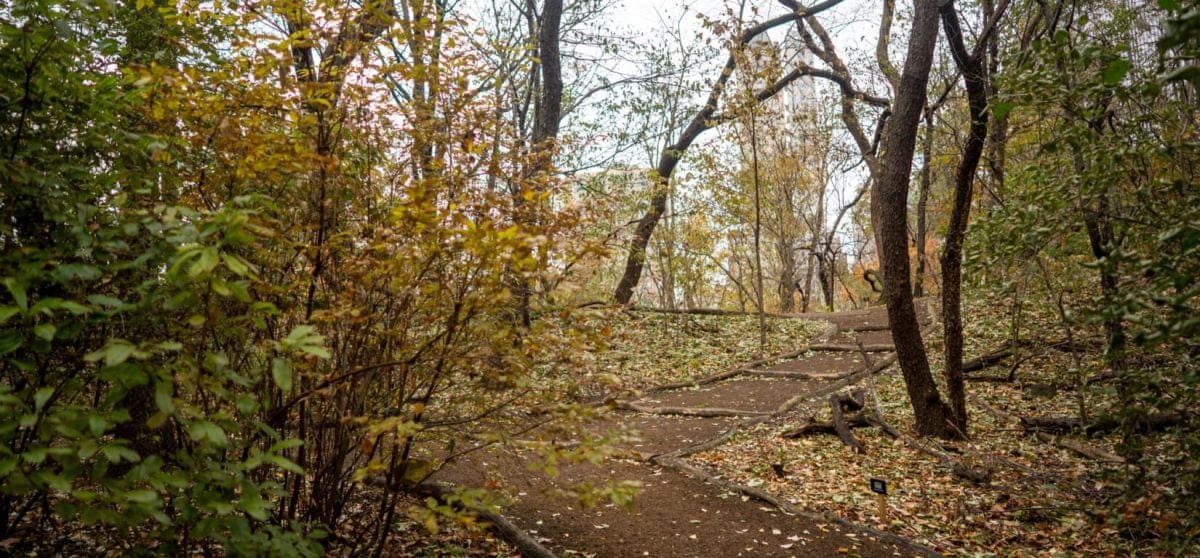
(923, 203)
(890, 207)
(549, 108)
(547, 113)
(964, 185)
(826, 269)
(787, 276)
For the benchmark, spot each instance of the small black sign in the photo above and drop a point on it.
(879, 486)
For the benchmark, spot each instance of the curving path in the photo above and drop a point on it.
(683, 511)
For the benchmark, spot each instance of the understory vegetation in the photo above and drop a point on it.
(269, 268)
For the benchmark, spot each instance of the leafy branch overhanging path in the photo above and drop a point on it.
(682, 508)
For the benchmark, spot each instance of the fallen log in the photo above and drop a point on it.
(1009, 348)
(707, 312)
(1142, 424)
(1081, 448)
(688, 411)
(992, 379)
(841, 424)
(848, 348)
(817, 427)
(1052, 425)
(863, 328)
(502, 526)
(990, 359)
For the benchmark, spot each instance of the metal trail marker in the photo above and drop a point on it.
(879, 487)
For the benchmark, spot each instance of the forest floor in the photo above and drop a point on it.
(717, 478)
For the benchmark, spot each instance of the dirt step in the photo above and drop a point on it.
(760, 395)
(824, 363)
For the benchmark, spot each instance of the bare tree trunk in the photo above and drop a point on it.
(813, 257)
(972, 70)
(827, 271)
(998, 134)
(923, 203)
(787, 274)
(547, 113)
(890, 203)
(758, 270)
(788, 223)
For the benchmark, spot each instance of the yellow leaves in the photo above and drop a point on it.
(509, 233)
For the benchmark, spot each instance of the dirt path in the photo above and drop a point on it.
(685, 511)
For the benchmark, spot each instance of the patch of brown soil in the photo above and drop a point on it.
(674, 515)
(749, 394)
(821, 364)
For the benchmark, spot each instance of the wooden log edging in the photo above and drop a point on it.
(508, 531)
(744, 367)
(688, 411)
(834, 347)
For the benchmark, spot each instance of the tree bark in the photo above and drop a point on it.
(923, 203)
(972, 70)
(890, 204)
(546, 117)
(549, 108)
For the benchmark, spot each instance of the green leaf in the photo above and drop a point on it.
(74, 307)
(235, 264)
(315, 350)
(281, 372)
(105, 300)
(205, 263)
(45, 331)
(35, 456)
(74, 271)
(17, 290)
(41, 397)
(210, 431)
(1115, 71)
(7, 312)
(220, 287)
(285, 445)
(116, 352)
(285, 464)
(127, 374)
(97, 424)
(1002, 109)
(163, 397)
(142, 496)
(254, 505)
(116, 453)
(299, 333)
(10, 341)
(7, 465)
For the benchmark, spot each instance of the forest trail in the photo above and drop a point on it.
(682, 510)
